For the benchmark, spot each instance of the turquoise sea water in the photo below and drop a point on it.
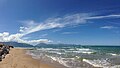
(79, 56)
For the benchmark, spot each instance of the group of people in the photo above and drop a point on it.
(4, 50)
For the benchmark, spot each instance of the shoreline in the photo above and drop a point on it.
(19, 59)
(57, 64)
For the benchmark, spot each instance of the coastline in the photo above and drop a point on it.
(19, 59)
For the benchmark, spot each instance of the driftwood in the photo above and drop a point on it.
(4, 50)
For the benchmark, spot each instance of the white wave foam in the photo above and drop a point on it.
(115, 66)
(98, 63)
(35, 56)
(112, 54)
(83, 49)
(59, 60)
(88, 52)
(44, 49)
(101, 63)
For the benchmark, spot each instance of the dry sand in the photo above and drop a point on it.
(18, 59)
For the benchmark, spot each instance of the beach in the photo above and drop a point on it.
(19, 59)
(70, 57)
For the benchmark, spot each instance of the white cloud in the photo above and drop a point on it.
(4, 34)
(30, 26)
(108, 27)
(42, 26)
(34, 42)
(69, 20)
(69, 32)
(5, 37)
(107, 16)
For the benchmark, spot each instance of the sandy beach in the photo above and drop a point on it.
(19, 59)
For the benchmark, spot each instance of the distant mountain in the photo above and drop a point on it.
(44, 45)
(16, 44)
(56, 45)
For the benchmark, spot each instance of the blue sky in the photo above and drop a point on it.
(87, 22)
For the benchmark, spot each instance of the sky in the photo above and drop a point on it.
(86, 22)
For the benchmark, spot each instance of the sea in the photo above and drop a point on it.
(78, 56)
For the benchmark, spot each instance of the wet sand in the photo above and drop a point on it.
(19, 59)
